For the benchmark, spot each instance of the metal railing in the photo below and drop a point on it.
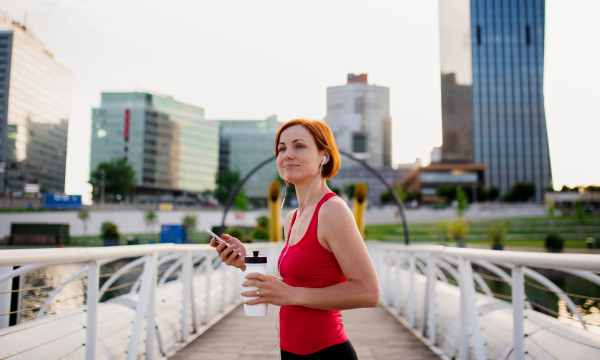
(198, 281)
(436, 293)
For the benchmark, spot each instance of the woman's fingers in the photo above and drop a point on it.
(225, 252)
(231, 259)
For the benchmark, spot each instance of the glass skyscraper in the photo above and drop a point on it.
(35, 96)
(509, 131)
(171, 147)
(244, 144)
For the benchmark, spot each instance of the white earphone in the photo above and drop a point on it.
(300, 210)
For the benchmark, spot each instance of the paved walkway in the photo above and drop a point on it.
(375, 334)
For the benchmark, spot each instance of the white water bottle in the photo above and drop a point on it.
(254, 264)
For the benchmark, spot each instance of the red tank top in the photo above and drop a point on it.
(308, 264)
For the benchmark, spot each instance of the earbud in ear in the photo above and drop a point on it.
(324, 158)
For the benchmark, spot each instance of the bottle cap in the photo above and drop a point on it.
(255, 259)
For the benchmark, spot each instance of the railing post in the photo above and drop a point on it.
(398, 288)
(518, 297)
(464, 313)
(195, 315)
(207, 273)
(468, 290)
(187, 296)
(384, 279)
(150, 320)
(431, 310)
(5, 298)
(411, 294)
(223, 286)
(140, 309)
(92, 309)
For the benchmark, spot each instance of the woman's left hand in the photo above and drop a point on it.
(272, 290)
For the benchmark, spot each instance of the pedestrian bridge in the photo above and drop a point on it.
(183, 303)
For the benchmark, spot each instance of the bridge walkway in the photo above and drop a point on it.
(375, 334)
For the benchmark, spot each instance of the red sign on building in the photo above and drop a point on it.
(126, 128)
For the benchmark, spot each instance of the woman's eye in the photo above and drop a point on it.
(299, 146)
(281, 149)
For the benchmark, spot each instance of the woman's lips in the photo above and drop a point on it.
(290, 166)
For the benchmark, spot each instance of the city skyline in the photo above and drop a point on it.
(295, 85)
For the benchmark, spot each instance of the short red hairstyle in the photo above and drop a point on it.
(324, 139)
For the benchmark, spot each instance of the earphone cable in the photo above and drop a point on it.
(301, 210)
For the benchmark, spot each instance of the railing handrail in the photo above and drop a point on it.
(65, 255)
(587, 262)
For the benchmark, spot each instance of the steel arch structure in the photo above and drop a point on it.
(373, 170)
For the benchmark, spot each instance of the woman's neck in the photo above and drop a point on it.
(319, 188)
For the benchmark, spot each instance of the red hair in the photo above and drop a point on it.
(324, 139)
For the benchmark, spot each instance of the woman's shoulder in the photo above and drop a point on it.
(335, 208)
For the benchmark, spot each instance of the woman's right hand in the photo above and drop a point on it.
(234, 254)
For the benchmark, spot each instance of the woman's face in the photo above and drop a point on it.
(298, 157)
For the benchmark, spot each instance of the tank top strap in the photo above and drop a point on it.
(312, 227)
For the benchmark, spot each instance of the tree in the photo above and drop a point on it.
(349, 190)
(150, 219)
(261, 232)
(226, 181)
(493, 193)
(439, 230)
(189, 223)
(84, 216)
(580, 215)
(240, 202)
(458, 229)
(497, 234)
(461, 199)
(550, 212)
(119, 179)
(520, 192)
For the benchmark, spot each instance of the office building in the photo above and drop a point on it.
(35, 96)
(359, 117)
(428, 178)
(245, 143)
(505, 75)
(173, 150)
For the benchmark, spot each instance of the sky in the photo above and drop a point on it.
(242, 59)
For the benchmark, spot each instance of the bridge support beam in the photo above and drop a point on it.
(469, 310)
(518, 297)
(431, 311)
(92, 309)
(140, 310)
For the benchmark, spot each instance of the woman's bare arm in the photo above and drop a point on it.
(337, 228)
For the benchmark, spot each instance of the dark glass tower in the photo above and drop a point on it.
(509, 123)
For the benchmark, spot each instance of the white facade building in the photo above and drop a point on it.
(359, 116)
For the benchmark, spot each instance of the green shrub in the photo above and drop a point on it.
(262, 222)
(236, 233)
(458, 229)
(497, 234)
(109, 230)
(439, 230)
(260, 234)
(554, 243)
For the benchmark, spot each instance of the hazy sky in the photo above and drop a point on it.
(245, 59)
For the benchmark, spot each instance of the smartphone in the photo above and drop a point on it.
(216, 237)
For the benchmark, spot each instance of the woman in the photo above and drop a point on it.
(325, 265)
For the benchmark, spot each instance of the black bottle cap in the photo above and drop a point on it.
(255, 259)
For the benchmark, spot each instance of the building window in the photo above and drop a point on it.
(359, 105)
(359, 143)
(478, 35)
(528, 35)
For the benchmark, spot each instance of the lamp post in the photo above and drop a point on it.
(101, 187)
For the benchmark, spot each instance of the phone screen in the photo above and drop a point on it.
(215, 236)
